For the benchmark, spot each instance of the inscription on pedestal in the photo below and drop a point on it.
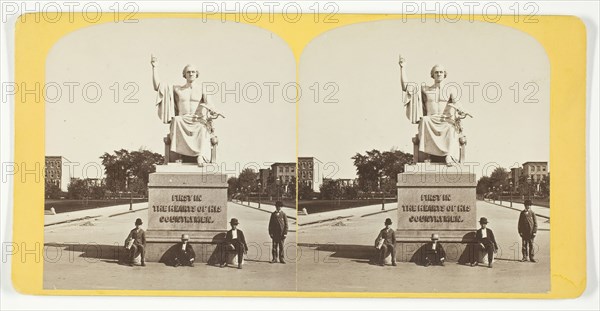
(192, 203)
(186, 209)
(436, 199)
(435, 208)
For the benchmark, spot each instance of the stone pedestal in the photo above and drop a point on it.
(184, 199)
(435, 198)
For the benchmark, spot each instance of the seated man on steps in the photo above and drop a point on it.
(434, 252)
(386, 241)
(185, 254)
(234, 239)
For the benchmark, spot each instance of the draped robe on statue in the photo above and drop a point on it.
(438, 134)
(188, 137)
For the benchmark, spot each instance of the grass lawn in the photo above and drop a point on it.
(319, 206)
(63, 206)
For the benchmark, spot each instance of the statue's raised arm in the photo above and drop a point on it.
(155, 79)
(402, 63)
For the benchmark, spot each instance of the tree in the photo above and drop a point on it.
(232, 186)
(350, 192)
(97, 192)
(499, 177)
(524, 186)
(305, 192)
(52, 191)
(330, 190)
(116, 168)
(141, 164)
(129, 171)
(247, 180)
(545, 186)
(292, 187)
(272, 186)
(78, 189)
(369, 169)
(377, 171)
(484, 184)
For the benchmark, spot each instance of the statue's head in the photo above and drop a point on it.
(438, 73)
(190, 73)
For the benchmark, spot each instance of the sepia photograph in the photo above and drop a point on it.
(433, 150)
(170, 165)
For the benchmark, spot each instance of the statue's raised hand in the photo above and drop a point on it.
(401, 61)
(153, 61)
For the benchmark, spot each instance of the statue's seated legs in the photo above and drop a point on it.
(173, 157)
(419, 156)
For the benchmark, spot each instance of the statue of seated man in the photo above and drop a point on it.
(188, 112)
(437, 114)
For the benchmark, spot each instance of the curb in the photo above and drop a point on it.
(71, 220)
(380, 212)
(325, 220)
(516, 209)
(260, 209)
(128, 212)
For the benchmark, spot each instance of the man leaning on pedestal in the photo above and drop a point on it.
(136, 243)
(278, 229)
(527, 231)
(234, 240)
(386, 241)
(487, 242)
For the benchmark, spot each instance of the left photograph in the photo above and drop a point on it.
(170, 158)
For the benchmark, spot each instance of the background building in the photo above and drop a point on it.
(283, 173)
(515, 173)
(536, 170)
(309, 172)
(55, 172)
(533, 176)
(263, 178)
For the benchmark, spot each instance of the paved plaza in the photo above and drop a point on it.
(84, 254)
(336, 255)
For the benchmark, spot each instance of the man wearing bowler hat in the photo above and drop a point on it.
(434, 252)
(386, 241)
(234, 239)
(487, 242)
(527, 230)
(278, 229)
(185, 254)
(138, 245)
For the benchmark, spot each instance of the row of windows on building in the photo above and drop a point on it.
(306, 165)
(304, 175)
(53, 164)
(537, 168)
(52, 174)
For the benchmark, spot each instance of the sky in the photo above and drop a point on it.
(115, 58)
(362, 61)
(349, 78)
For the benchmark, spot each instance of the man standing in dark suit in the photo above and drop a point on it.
(235, 239)
(137, 245)
(434, 252)
(487, 242)
(386, 241)
(278, 229)
(185, 254)
(527, 230)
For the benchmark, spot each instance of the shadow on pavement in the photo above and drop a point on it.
(110, 253)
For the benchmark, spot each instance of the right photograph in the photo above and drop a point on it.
(423, 159)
